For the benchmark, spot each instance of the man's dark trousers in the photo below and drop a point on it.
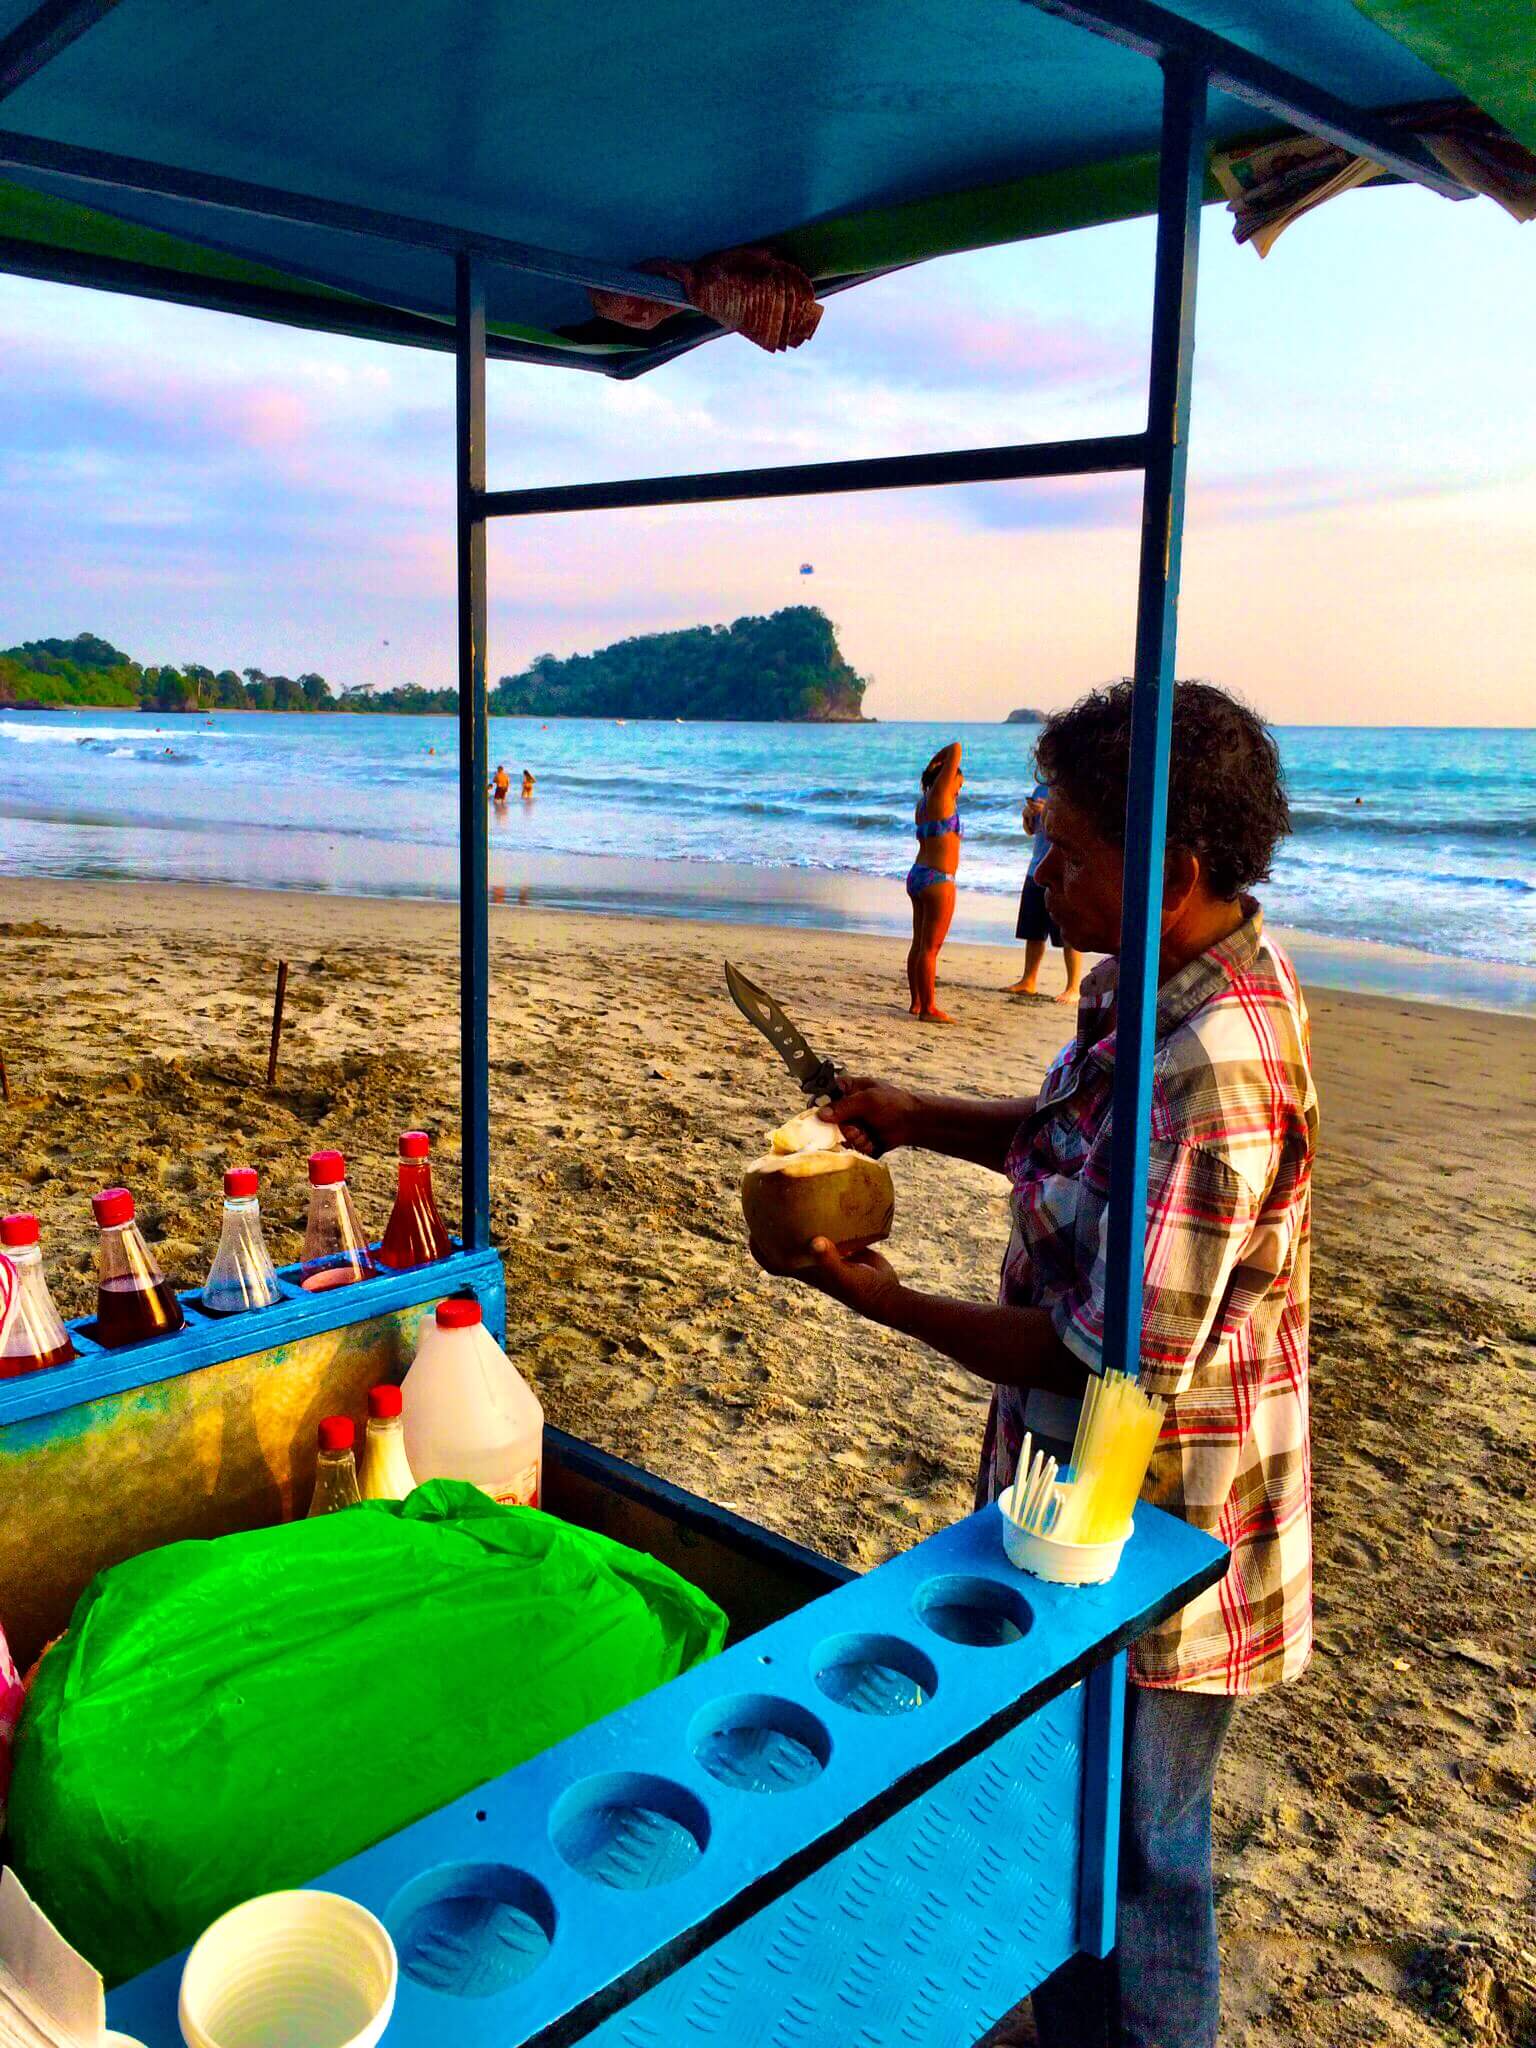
(1160, 1987)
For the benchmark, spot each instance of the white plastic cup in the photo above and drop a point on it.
(1063, 1564)
(295, 1969)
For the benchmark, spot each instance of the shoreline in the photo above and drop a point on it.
(835, 903)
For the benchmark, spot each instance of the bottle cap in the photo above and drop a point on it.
(112, 1205)
(16, 1231)
(239, 1182)
(326, 1169)
(337, 1433)
(383, 1402)
(414, 1145)
(458, 1313)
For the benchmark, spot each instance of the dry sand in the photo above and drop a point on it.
(1375, 1821)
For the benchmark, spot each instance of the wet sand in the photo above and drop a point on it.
(1375, 1822)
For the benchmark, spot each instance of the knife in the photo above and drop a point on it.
(817, 1077)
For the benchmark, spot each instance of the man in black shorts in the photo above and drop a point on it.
(1036, 924)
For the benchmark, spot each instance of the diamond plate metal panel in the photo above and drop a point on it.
(921, 1937)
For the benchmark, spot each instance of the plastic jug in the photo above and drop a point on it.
(469, 1413)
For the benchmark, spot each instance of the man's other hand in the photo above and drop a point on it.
(862, 1281)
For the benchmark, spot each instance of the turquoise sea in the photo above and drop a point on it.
(1413, 865)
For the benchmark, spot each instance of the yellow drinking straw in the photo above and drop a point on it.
(1116, 1435)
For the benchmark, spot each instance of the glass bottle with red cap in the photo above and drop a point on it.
(335, 1249)
(34, 1334)
(416, 1234)
(242, 1275)
(335, 1467)
(386, 1473)
(133, 1298)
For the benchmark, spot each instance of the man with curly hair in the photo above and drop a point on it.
(1224, 1323)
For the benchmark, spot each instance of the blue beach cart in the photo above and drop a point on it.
(889, 1808)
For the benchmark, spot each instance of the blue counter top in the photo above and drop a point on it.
(924, 1726)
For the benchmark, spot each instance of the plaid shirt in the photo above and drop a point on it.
(1224, 1331)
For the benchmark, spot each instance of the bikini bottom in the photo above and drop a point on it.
(921, 877)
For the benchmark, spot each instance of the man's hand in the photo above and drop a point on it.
(873, 1116)
(863, 1281)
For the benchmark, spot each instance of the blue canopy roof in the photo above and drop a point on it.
(853, 137)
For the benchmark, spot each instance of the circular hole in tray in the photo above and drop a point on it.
(874, 1674)
(472, 1929)
(629, 1830)
(980, 1613)
(756, 1744)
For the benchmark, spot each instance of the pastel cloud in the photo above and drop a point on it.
(202, 486)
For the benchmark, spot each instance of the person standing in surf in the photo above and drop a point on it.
(931, 878)
(1036, 923)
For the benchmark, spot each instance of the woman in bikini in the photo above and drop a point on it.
(931, 880)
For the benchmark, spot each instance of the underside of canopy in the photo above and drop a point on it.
(853, 136)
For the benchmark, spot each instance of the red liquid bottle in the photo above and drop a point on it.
(416, 1234)
(35, 1338)
(133, 1298)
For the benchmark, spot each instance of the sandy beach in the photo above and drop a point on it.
(1376, 1821)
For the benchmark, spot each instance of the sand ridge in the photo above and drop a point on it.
(1375, 1822)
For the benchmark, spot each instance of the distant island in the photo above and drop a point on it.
(784, 667)
(1026, 716)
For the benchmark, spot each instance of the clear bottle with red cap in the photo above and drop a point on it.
(335, 1467)
(34, 1336)
(335, 1250)
(134, 1300)
(415, 1234)
(469, 1413)
(386, 1473)
(242, 1275)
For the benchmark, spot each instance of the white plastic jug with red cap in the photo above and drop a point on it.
(469, 1413)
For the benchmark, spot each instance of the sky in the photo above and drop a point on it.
(1360, 549)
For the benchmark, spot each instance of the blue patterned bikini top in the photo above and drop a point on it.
(935, 828)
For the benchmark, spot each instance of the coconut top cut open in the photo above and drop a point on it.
(851, 1201)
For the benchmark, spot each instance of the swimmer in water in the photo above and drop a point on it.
(501, 784)
(527, 787)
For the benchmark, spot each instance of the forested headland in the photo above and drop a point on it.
(785, 666)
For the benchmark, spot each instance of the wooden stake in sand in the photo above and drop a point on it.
(5, 1079)
(277, 1021)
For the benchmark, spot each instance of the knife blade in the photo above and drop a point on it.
(815, 1076)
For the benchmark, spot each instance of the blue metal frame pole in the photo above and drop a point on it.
(474, 760)
(1181, 180)
(1103, 1768)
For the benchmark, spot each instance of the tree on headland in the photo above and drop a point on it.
(785, 666)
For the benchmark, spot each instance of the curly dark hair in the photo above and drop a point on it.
(1226, 789)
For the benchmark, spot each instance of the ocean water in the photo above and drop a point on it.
(1422, 842)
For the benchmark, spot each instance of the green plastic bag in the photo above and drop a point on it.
(234, 1717)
